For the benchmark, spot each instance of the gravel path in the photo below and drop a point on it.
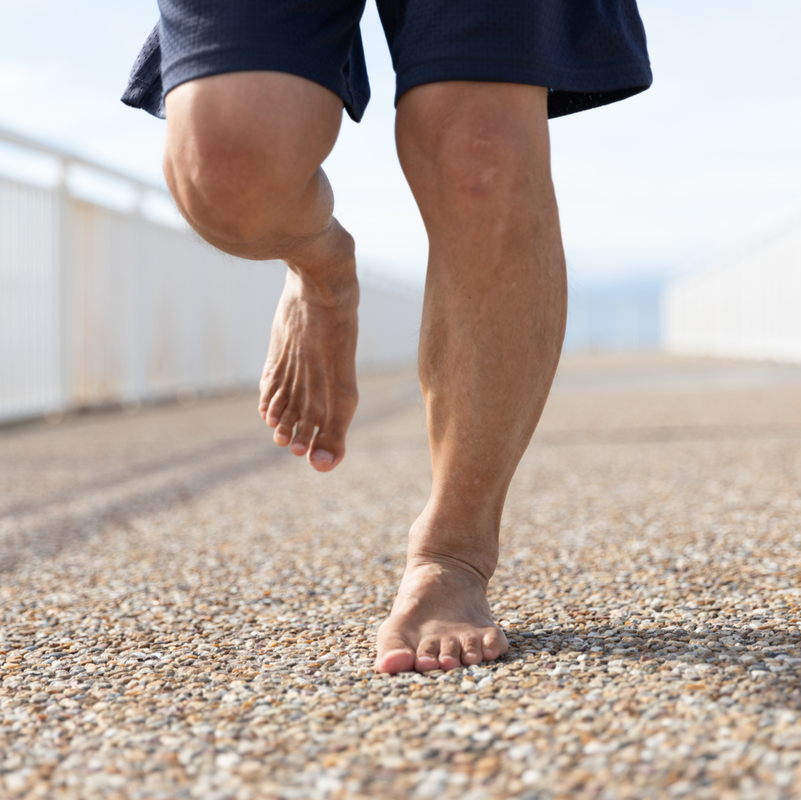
(189, 613)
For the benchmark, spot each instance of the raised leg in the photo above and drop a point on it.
(476, 156)
(242, 160)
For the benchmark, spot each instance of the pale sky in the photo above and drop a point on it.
(705, 162)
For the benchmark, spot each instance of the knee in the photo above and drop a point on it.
(230, 185)
(479, 157)
(235, 168)
(480, 150)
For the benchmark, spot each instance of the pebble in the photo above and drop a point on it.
(187, 613)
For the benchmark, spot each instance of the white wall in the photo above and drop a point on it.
(31, 365)
(389, 324)
(99, 306)
(748, 307)
(613, 316)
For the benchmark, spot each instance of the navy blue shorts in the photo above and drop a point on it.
(586, 52)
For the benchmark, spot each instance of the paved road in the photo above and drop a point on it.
(187, 612)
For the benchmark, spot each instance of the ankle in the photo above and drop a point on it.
(325, 267)
(336, 294)
(473, 548)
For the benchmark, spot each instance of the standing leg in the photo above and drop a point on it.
(476, 156)
(242, 161)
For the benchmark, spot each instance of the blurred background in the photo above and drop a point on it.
(680, 208)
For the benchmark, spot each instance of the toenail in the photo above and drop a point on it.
(323, 455)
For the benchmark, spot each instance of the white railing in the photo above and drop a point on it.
(101, 306)
(748, 307)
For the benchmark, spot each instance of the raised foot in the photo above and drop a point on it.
(308, 387)
(440, 620)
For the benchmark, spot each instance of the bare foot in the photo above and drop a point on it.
(440, 619)
(308, 387)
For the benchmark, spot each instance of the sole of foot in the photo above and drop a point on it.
(440, 620)
(308, 386)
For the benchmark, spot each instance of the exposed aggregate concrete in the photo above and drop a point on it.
(187, 613)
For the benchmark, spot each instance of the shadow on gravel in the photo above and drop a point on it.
(771, 657)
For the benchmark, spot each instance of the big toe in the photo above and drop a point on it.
(395, 654)
(324, 460)
(394, 661)
(328, 447)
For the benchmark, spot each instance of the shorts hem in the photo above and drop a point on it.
(613, 81)
(241, 60)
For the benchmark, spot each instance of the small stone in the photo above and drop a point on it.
(17, 781)
(783, 779)
(227, 760)
(250, 770)
(531, 777)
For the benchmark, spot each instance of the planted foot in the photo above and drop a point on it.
(440, 619)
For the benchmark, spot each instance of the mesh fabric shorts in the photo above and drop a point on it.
(586, 52)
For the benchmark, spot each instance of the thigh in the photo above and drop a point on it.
(252, 117)
(585, 52)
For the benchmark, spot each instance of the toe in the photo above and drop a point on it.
(427, 655)
(284, 429)
(273, 408)
(328, 447)
(326, 452)
(493, 645)
(450, 650)
(303, 436)
(268, 389)
(395, 654)
(472, 650)
(324, 460)
(394, 661)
